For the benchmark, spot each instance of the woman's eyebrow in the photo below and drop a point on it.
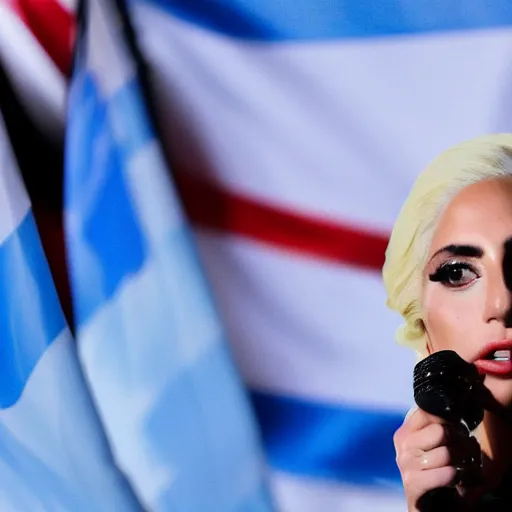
(470, 251)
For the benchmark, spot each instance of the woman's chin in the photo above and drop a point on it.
(501, 390)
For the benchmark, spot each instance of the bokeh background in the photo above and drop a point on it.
(292, 131)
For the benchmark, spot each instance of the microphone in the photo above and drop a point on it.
(448, 387)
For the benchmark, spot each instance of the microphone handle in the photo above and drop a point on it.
(442, 499)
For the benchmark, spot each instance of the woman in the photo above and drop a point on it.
(448, 272)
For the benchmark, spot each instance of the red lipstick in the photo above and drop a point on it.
(496, 366)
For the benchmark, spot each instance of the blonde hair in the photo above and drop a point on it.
(482, 158)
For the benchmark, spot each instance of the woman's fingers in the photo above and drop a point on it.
(406, 437)
(419, 482)
(431, 454)
(428, 438)
(420, 419)
(419, 460)
(436, 458)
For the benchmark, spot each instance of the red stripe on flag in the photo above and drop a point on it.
(52, 25)
(15, 6)
(208, 206)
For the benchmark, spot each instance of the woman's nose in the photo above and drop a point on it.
(499, 309)
(499, 300)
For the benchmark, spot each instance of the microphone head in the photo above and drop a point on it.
(448, 387)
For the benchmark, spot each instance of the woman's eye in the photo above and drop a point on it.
(454, 274)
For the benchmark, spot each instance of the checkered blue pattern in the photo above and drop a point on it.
(149, 338)
(53, 452)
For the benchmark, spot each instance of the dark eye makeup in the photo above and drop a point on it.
(454, 274)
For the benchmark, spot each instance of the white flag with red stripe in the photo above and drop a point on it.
(296, 129)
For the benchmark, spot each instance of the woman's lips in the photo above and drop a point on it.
(496, 368)
(488, 366)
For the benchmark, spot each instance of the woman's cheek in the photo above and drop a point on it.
(450, 320)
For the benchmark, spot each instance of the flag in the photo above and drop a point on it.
(53, 451)
(152, 347)
(35, 49)
(296, 129)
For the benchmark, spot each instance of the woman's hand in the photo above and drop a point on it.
(428, 451)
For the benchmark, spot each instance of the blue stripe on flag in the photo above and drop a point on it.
(342, 443)
(102, 136)
(30, 313)
(302, 20)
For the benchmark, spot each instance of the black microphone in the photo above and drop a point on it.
(448, 387)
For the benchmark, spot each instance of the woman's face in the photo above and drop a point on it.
(467, 297)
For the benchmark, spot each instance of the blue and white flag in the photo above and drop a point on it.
(53, 451)
(151, 344)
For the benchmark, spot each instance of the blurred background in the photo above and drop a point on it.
(292, 131)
